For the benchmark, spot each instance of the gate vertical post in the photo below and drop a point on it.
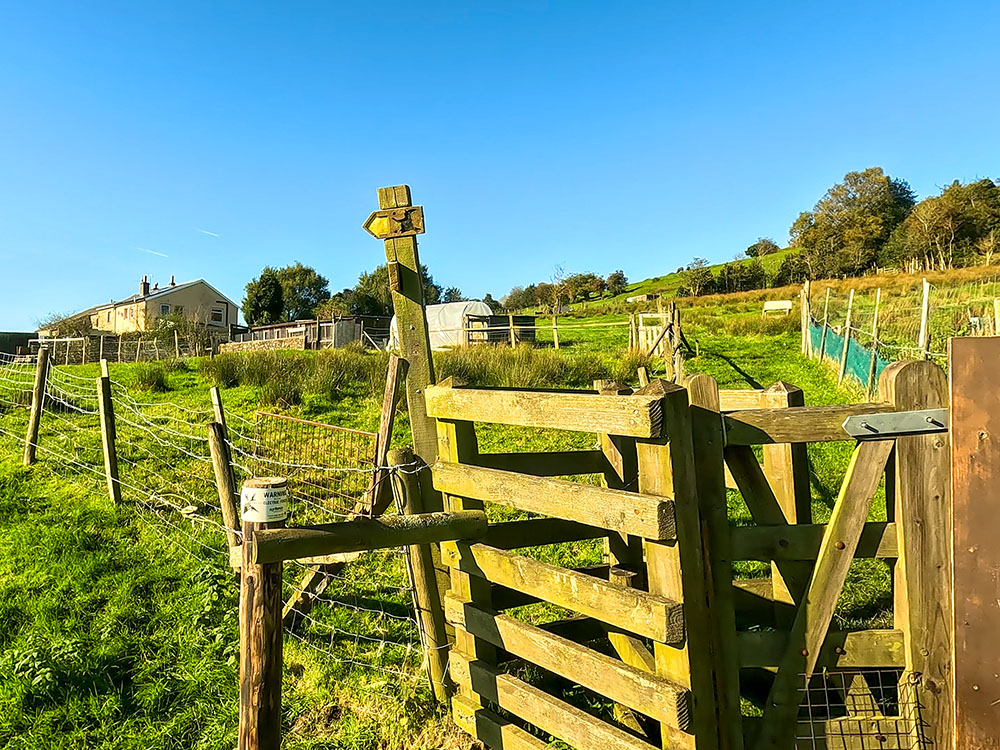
(427, 598)
(260, 619)
(708, 441)
(975, 467)
(677, 570)
(37, 405)
(923, 605)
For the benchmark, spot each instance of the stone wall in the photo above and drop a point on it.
(266, 345)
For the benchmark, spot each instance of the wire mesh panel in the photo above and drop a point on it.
(329, 468)
(871, 709)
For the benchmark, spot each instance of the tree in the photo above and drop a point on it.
(264, 300)
(954, 228)
(494, 305)
(61, 324)
(791, 271)
(372, 296)
(700, 280)
(583, 285)
(453, 294)
(763, 246)
(851, 223)
(616, 283)
(303, 289)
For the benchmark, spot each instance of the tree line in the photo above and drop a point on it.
(868, 221)
(299, 292)
(564, 290)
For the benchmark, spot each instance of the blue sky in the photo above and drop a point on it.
(592, 136)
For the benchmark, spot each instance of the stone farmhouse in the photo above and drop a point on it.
(197, 300)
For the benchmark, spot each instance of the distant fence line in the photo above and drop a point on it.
(82, 350)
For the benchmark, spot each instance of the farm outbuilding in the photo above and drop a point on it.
(447, 324)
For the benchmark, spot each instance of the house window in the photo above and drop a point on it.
(109, 317)
(164, 309)
(217, 315)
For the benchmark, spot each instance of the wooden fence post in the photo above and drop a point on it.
(263, 507)
(423, 576)
(826, 321)
(847, 339)
(225, 481)
(408, 304)
(804, 318)
(555, 332)
(37, 405)
(379, 492)
(975, 468)
(106, 410)
(100, 351)
(874, 359)
(925, 307)
(177, 345)
(513, 337)
(119, 359)
(678, 347)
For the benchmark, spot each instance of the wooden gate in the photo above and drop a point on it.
(663, 631)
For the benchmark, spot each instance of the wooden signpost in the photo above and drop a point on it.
(398, 222)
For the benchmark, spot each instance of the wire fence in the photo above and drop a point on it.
(361, 620)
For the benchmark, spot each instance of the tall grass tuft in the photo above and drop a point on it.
(150, 376)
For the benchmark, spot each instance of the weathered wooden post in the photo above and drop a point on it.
(177, 345)
(513, 336)
(874, 358)
(925, 307)
(225, 481)
(678, 344)
(398, 222)
(975, 474)
(263, 505)
(804, 318)
(37, 405)
(847, 339)
(555, 332)
(423, 576)
(826, 321)
(106, 411)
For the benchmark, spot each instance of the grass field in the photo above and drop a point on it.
(114, 636)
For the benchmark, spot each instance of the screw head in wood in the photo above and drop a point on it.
(840, 545)
(805, 652)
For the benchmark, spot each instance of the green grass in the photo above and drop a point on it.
(112, 636)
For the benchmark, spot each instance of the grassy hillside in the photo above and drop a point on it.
(668, 284)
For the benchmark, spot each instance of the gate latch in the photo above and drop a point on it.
(896, 424)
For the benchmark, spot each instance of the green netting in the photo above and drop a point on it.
(859, 358)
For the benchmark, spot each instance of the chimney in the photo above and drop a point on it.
(172, 282)
(144, 286)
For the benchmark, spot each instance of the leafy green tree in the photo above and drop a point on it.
(580, 286)
(263, 302)
(453, 294)
(851, 223)
(616, 282)
(372, 296)
(763, 246)
(302, 289)
(958, 227)
(520, 297)
(494, 305)
(700, 280)
(791, 271)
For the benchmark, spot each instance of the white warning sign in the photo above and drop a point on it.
(264, 504)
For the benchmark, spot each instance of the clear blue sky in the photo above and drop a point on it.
(591, 135)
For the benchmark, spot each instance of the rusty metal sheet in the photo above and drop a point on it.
(975, 450)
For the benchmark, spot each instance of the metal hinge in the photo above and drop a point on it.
(896, 424)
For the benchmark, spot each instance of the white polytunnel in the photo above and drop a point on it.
(446, 324)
